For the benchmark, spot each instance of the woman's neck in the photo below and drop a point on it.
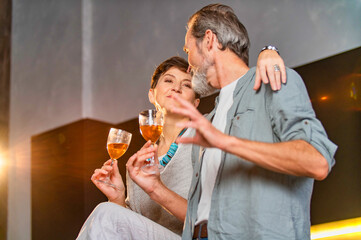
(170, 132)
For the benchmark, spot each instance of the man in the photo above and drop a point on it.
(260, 150)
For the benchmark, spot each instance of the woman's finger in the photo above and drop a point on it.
(108, 162)
(107, 168)
(130, 163)
(146, 145)
(145, 150)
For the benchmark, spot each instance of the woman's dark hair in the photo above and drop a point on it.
(175, 61)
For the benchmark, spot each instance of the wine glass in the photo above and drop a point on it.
(117, 144)
(151, 127)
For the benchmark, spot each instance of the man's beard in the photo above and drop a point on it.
(200, 84)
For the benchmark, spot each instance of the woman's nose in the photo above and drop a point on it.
(177, 87)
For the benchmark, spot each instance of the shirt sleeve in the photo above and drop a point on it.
(293, 117)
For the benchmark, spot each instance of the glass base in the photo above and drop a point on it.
(152, 168)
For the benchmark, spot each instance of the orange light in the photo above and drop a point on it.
(324, 98)
(353, 91)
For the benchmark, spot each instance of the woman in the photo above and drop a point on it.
(169, 78)
(141, 216)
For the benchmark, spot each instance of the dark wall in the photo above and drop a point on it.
(334, 86)
(5, 40)
(63, 161)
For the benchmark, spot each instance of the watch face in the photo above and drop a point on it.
(270, 47)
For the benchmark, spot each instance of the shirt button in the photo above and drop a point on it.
(196, 174)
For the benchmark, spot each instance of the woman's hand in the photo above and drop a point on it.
(148, 182)
(116, 195)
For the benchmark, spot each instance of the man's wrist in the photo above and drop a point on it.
(270, 47)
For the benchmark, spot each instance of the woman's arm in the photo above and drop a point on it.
(152, 184)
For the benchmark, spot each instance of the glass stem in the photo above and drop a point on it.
(152, 161)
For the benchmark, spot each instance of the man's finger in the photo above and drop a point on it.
(187, 124)
(262, 71)
(271, 77)
(257, 82)
(278, 79)
(185, 140)
(192, 110)
(182, 111)
(283, 72)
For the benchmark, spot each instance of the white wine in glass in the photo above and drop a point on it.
(151, 127)
(117, 144)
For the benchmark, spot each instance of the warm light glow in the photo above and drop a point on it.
(324, 98)
(349, 229)
(2, 163)
(353, 91)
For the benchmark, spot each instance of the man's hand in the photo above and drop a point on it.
(265, 71)
(206, 134)
(116, 195)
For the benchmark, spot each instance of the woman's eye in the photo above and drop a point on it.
(168, 80)
(188, 85)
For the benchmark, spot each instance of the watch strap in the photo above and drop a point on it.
(270, 47)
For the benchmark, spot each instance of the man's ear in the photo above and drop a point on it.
(151, 95)
(210, 38)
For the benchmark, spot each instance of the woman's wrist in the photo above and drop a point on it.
(120, 200)
(158, 191)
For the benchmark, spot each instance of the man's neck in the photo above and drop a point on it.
(228, 68)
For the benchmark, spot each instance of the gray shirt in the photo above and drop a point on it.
(248, 201)
(176, 176)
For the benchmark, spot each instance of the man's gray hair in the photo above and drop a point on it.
(222, 21)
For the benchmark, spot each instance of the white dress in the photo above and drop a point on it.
(143, 219)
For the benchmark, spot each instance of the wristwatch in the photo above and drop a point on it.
(270, 47)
